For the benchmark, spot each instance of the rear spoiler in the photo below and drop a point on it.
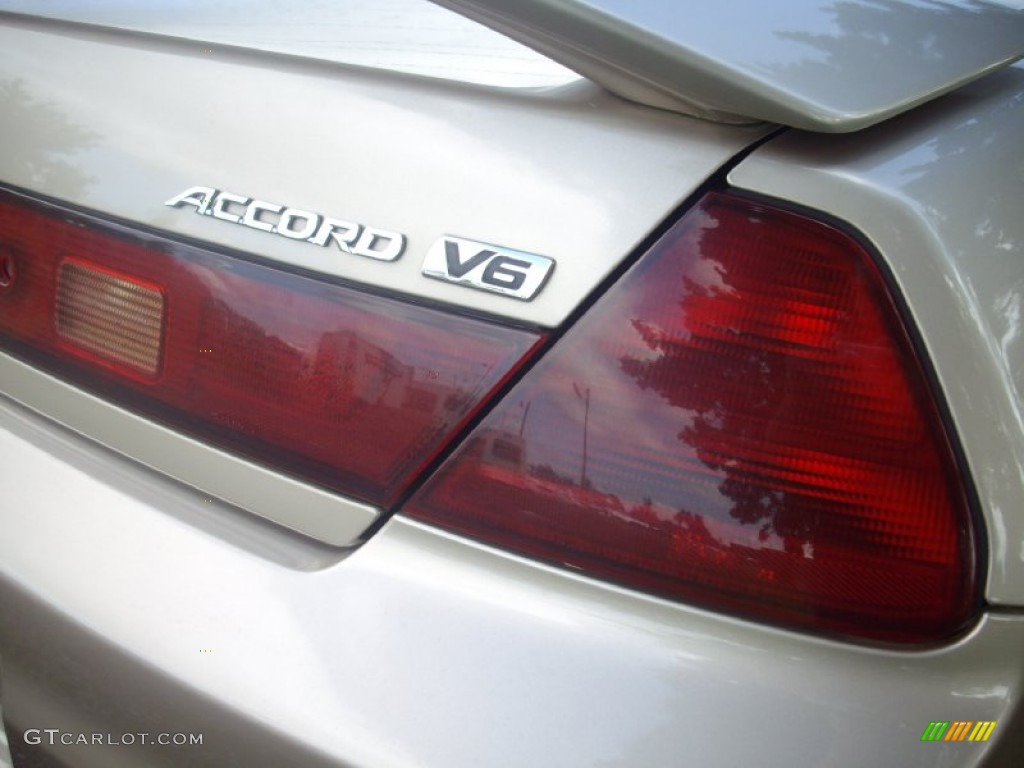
(822, 65)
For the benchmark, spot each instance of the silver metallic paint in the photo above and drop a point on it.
(820, 65)
(410, 36)
(939, 192)
(421, 648)
(574, 174)
(6, 761)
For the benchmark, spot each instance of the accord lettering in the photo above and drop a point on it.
(293, 223)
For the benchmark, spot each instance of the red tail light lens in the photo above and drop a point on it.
(741, 423)
(353, 391)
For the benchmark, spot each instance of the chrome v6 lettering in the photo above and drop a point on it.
(487, 267)
(293, 223)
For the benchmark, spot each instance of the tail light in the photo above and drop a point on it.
(352, 391)
(741, 423)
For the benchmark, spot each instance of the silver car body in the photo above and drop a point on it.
(142, 588)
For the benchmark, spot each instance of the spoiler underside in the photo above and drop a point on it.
(821, 65)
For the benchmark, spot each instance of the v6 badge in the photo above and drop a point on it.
(487, 267)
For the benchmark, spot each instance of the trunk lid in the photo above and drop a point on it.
(121, 122)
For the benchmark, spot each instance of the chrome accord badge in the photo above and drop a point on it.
(487, 267)
(293, 223)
